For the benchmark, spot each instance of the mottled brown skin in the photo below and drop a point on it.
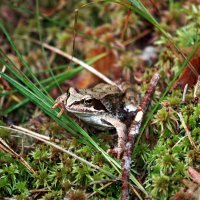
(103, 107)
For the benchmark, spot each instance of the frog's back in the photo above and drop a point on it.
(101, 90)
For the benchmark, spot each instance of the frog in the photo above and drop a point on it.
(104, 107)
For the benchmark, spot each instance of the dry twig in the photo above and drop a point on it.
(186, 130)
(75, 60)
(6, 148)
(43, 138)
(132, 133)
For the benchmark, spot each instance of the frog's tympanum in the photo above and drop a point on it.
(103, 107)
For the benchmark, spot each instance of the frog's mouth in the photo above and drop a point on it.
(78, 109)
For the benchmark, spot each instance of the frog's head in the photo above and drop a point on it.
(78, 102)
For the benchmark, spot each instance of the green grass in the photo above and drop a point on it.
(36, 91)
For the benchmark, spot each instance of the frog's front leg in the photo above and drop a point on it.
(60, 102)
(122, 136)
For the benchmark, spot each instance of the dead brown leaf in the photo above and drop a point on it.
(190, 73)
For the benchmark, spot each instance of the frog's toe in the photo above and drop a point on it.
(117, 152)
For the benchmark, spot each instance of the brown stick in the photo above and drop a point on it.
(133, 132)
(6, 148)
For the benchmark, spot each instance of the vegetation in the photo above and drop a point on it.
(44, 156)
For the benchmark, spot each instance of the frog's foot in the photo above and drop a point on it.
(116, 151)
(60, 103)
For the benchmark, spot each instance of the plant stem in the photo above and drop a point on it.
(133, 132)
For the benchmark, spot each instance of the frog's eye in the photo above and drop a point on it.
(88, 102)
